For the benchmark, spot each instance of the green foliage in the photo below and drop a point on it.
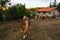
(4, 2)
(16, 12)
(1, 15)
(58, 7)
(54, 4)
(33, 15)
(50, 5)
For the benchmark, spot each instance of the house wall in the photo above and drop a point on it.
(56, 13)
(47, 14)
(51, 13)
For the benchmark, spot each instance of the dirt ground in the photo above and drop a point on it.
(38, 30)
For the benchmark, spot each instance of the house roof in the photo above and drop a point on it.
(34, 9)
(46, 9)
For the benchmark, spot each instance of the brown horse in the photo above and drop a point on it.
(25, 26)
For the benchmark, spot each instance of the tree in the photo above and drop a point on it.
(1, 15)
(17, 11)
(50, 5)
(54, 3)
(58, 7)
(3, 5)
(3, 2)
(14, 12)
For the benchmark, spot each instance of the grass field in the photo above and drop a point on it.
(39, 30)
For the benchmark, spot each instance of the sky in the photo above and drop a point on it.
(33, 3)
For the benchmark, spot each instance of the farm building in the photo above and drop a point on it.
(47, 13)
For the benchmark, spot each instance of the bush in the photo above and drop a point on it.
(13, 13)
(1, 18)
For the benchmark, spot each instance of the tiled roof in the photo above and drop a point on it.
(45, 9)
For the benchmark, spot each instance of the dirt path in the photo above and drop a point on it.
(45, 30)
(39, 30)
